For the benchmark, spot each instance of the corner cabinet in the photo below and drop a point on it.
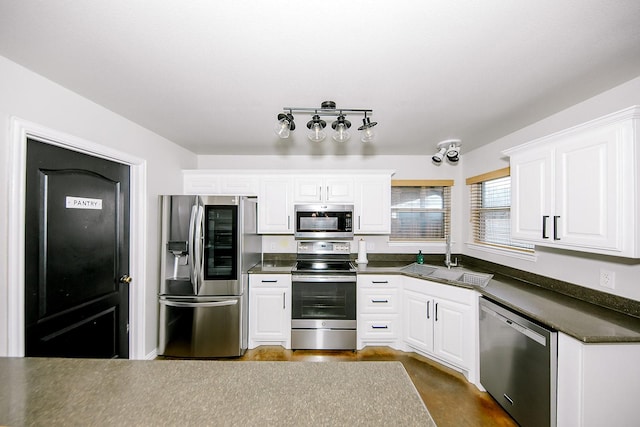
(577, 189)
(269, 310)
(441, 321)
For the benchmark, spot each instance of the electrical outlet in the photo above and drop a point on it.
(607, 279)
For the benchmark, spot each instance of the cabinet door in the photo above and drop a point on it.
(268, 314)
(314, 188)
(373, 204)
(307, 189)
(418, 323)
(588, 190)
(275, 209)
(531, 195)
(453, 339)
(338, 189)
(200, 183)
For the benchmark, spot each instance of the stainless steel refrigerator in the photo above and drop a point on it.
(208, 245)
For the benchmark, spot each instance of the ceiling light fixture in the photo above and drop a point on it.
(367, 129)
(316, 125)
(449, 149)
(285, 125)
(341, 127)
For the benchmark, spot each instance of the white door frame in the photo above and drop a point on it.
(20, 130)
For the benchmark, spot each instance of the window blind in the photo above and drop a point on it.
(491, 214)
(420, 213)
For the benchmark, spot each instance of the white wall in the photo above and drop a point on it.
(34, 99)
(574, 267)
(405, 167)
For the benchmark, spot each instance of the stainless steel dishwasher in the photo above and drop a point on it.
(518, 364)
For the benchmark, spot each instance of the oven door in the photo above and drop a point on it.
(323, 301)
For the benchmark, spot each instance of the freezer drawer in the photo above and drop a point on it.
(518, 365)
(203, 327)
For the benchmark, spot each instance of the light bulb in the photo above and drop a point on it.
(282, 129)
(341, 134)
(316, 134)
(367, 134)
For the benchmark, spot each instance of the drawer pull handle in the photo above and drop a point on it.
(379, 301)
(379, 281)
(379, 327)
(269, 281)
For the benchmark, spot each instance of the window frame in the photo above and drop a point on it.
(446, 210)
(475, 211)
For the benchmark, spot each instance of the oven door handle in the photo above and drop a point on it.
(316, 278)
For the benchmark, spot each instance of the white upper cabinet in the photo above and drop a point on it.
(224, 183)
(577, 189)
(372, 204)
(369, 191)
(320, 189)
(275, 205)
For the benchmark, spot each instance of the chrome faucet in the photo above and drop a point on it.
(447, 257)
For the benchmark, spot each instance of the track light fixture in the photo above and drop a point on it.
(285, 125)
(367, 129)
(316, 125)
(341, 127)
(449, 149)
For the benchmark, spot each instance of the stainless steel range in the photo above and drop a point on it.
(323, 309)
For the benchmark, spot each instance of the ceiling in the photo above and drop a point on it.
(212, 75)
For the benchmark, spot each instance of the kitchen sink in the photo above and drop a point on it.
(455, 275)
(420, 269)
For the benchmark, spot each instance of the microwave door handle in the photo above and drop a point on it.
(192, 255)
(199, 247)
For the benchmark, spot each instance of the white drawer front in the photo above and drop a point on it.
(377, 281)
(376, 329)
(378, 301)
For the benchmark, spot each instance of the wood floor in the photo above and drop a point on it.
(451, 400)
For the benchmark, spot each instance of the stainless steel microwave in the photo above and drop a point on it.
(320, 221)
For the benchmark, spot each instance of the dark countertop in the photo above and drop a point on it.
(116, 392)
(584, 321)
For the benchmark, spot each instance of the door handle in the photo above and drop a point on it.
(126, 279)
(544, 226)
(555, 227)
(199, 304)
(428, 305)
(436, 312)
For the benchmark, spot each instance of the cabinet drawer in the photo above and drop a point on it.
(378, 329)
(378, 301)
(269, 280)
(378, 281)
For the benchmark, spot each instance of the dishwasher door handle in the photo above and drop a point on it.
(540, 339)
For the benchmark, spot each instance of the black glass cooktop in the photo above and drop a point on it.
(323, 266)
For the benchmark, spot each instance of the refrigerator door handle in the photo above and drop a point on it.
(199, 249)
(200, 304)
(192, 269)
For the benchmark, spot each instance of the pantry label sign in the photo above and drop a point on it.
(83, 203)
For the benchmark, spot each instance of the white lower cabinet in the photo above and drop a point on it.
(441, 322)
(378, 309)
(598, 384)
(270, 310)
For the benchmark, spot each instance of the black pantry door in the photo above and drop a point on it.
(76, 254)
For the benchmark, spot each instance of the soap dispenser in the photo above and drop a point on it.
(420, 258)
